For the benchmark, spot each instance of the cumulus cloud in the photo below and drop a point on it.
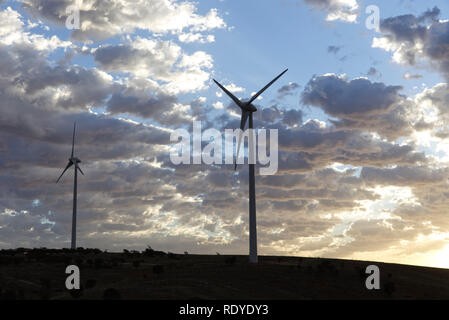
(288, 90)
(343, 10)
(414, 39)
(163, 61)
(103, 19)
(128, 101)
(408, 76)
(360, 104)
(12, 31)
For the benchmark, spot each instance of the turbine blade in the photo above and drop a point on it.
(242, 127)
(266, 87)
(80, 170)
(73, 139)
(68, 166)
(234, 98)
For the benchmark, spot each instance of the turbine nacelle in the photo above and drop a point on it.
(74, 160)
(247, 107)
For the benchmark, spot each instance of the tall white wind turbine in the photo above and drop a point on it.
(73, 161)
(247, 113)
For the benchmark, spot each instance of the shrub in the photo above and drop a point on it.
(361, 272)
(77, 293)
(99, 263)
(91, 283)
(136, 263)
(230, 260)
(158, 269)
(171, 255)
(46, 283)
(111, 294)
(9, 294)
(309, 269)
(390, 286)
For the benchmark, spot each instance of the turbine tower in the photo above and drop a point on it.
(73, 161)
(247, 113)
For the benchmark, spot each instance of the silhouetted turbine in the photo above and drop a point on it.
(247, 113)
(73, 161)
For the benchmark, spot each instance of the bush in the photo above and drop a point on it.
(77, 293)
(309, 269)
(230, 260)
(390, 287)
(9, 294)
(158, 269)
(136, 263)
(327, 266)
(91, 283)
(361, 272)
(171, 255)
(99, 263)
(111, 294)
(46, 283)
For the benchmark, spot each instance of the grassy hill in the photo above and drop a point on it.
(40, 274)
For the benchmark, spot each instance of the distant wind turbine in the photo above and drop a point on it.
(73, 161)
(247, 112)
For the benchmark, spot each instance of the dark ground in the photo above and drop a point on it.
(40, 274)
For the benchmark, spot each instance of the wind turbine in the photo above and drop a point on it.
(247, 113)
(73, 161)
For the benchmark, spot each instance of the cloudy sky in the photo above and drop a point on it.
(362, 114)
